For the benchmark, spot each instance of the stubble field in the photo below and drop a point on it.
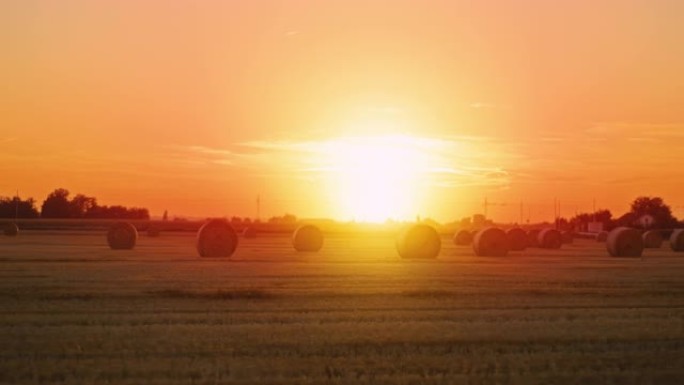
(75, 312)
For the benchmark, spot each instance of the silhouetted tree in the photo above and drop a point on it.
(9, 207)
(118, 212)
(285, 219)
(56, 205)
(656, 208)
(580, 221)
(81, 205)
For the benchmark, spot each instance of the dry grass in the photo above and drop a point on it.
(74, 312)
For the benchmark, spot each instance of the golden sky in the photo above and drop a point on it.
(346, 109)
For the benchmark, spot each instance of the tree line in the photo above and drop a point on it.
(58, 204)
(645, 212)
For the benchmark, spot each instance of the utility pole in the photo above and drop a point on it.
(16, 208)
(258, 207)
(486, 204)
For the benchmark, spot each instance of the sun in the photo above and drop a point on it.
(373, 179)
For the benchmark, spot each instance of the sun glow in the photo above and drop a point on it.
(373, 179)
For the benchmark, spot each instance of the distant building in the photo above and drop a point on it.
(595, 227)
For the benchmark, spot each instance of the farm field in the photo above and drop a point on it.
(75, 312)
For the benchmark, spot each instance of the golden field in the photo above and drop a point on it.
(75, 312)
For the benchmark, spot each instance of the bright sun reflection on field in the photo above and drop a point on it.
(376, 178)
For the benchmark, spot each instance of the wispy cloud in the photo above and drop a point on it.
(636, 130)
(448, 161)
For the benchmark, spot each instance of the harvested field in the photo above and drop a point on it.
(76, 312)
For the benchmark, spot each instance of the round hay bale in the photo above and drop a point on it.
(602, 236)
(10, 229)
(517, 239)
(249, 232)
(463, 238)
(533, 238)
(122, 236)
(491, 242)
(307, 238)
(419, 241)
(652, 239)
(677, 240)
(216, 239)
(550, 239)
(568, 237)
(153, 231)
(625, 242)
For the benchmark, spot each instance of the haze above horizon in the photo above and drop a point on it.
(361, 110)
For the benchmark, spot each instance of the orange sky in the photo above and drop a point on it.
(197, 107)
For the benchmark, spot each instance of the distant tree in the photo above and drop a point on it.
(166, 216)
(11, 207)
(285, 219)
(235, 220)
(580, 221)
(56, 205)
(81, 205)
(626, 220)
(562, 224)
(656, 208)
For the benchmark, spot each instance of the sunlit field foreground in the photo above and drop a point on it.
(76, 312)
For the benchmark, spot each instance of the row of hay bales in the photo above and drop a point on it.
(519, 239)
(628, 242)
(217, 238)
(621, 242)
(652, 239)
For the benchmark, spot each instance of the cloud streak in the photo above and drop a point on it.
(442, 162)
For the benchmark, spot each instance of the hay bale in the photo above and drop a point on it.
(517, 239)
(10, 229)
(568, 237)
(249, 232)
(153, 231)
(419, 241)
(602, 236)
(533, 237)
(550, 239)
(463, 238)
(653, 239)
(307, 238)
(625, 242)
(122, 236)
(216, 239)
(677, 240)
(491, 242)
